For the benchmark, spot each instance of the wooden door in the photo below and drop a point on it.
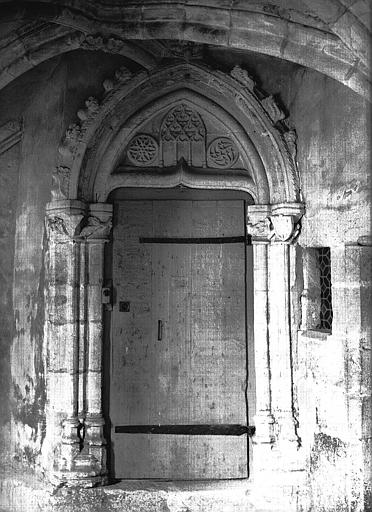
(178, 372)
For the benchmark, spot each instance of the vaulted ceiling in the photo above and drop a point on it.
(330, 36)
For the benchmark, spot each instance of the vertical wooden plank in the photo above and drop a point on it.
(131, 330)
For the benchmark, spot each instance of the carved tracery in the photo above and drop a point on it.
(183, 124)
(182, 135)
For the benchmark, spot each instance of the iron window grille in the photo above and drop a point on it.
(324, 265)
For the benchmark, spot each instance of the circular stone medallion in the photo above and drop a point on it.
(142, 150)
(222, 153)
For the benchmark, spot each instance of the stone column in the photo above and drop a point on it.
(258, 228)
(94, 236)
(63, 220)
(284, 230)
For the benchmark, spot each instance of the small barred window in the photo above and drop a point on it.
(324, 264)
(316, 297)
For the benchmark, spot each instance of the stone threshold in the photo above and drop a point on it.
(26, 492)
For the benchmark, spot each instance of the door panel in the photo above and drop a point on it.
(196, 373)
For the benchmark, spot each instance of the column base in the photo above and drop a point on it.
(84, 477)
(70, 445)
(95, 442)
(84, 471)
(80, 468)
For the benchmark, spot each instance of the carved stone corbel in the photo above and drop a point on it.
(285, 222)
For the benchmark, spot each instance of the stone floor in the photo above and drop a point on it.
(25, 492)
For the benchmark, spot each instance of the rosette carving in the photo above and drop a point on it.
(142, 150)
(222, 153)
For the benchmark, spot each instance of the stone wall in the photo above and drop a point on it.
(330, 371)
(9, 162)
(46, 99)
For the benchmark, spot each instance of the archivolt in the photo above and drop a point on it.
(92, 150)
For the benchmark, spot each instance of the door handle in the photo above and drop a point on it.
(160, 330)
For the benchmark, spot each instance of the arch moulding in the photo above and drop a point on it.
(261, 160)
(334, 51)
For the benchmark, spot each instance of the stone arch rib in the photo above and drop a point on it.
(64, 28)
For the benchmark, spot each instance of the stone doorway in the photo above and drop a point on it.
(179, 331)
(168, 136)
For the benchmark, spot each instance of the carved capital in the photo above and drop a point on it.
(284, 228)
(258, 223)
(63, 219)
(285, 222)
(274, 223)
(96, 228)
(99, 222)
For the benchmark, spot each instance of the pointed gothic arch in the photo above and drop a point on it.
(258, 157)
(92, 149)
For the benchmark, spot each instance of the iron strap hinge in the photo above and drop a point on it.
(195, 430)
(197, 240)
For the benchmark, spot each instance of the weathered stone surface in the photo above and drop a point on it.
(328, 412)
(9, 162)
(145, 496)
(306, 36)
